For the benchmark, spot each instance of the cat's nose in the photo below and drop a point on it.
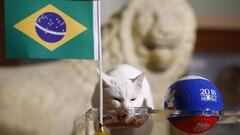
(125, 104)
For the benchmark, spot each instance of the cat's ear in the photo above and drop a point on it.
(106, 79)
(139, 79)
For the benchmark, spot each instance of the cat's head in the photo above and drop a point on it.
(122, 92)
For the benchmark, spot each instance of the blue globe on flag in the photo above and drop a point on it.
(198, 101)
(50, 27)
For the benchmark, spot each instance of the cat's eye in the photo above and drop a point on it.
(117, 99)
(133, 99)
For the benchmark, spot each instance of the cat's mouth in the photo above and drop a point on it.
(123, 114)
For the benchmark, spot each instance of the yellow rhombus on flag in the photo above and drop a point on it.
(27, 26)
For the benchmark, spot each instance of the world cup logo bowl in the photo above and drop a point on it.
(199, 102)
(50, 27)
(193, 124)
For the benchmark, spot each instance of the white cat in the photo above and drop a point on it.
(125, 86)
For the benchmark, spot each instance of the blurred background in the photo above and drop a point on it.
(216, 54)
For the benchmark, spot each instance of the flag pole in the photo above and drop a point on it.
(100, 65)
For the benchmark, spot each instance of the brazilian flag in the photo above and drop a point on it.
(52, 29)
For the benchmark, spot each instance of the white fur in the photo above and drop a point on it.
(125, 86)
